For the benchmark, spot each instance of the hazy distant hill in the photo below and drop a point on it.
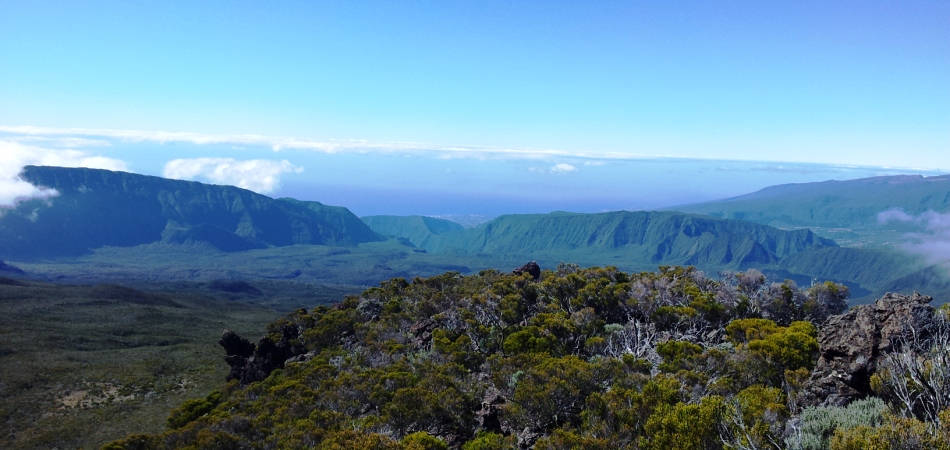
(415, 228)
(98, 208)
(642, 237)
(833, 204)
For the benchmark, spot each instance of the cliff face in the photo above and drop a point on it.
(655, 237)
(415, 228)
(98, 208)
(852, 343)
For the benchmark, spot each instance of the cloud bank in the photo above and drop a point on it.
(259, 175)
(80, 136)
(560, 168)
(15, 155)
(933, 242)
(324, 146)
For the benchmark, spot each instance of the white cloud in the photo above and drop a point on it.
(259, 175)
(325, 146)
(559, 168)
(932, 242)
(894, 215)
(60, 142)
(277, 144)
(15, 155)
(563, 168)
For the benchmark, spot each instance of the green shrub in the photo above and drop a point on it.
(490, 441)
(423, 441)
(818, 424)
(191, 410)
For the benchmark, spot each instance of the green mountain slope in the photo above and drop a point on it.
(868, 267)
(415, 228)
(847, 211)
(645, 237)
(833, 204)
(98, 208)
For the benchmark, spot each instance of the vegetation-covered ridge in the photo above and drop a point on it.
(648, 237)
(415, 228)
(574, 358)
(852, 204)
(96, 208)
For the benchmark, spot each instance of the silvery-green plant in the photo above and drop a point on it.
(817, 424)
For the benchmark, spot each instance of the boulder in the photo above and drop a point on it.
(532, 268)
(235, 345)
(851, 344)
(488, 416)
(421, 332)
(250, 363)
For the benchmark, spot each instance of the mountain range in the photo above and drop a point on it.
(843, 210)
(122, 224)
(642, 236)
(96, 208)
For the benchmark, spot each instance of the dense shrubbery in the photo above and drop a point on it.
(580, 358)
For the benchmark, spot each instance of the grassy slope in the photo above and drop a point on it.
(150, 350)
(362, 266)
(347, 270)
(842, 210)
(71, 343)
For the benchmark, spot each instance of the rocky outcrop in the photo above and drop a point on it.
(421, 332)
(532, 268)
(488, 416)
(250, 363)
(852, 343)
(237, 351)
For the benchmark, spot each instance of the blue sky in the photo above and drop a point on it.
(481, 107)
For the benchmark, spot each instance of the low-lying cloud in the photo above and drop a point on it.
(933, 239)
(560, 168)
(15, 155)
(276, 143)
(258, 175)
(80, 136)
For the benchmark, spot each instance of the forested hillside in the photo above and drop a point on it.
(104, 226)
(834, 204)
(582, 358)
(98, 208)
(643, 237)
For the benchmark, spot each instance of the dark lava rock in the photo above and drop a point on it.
(421, 332)
(532, 268)
(236, 345)
(487, 418)
(850, 345)
(250, 363)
